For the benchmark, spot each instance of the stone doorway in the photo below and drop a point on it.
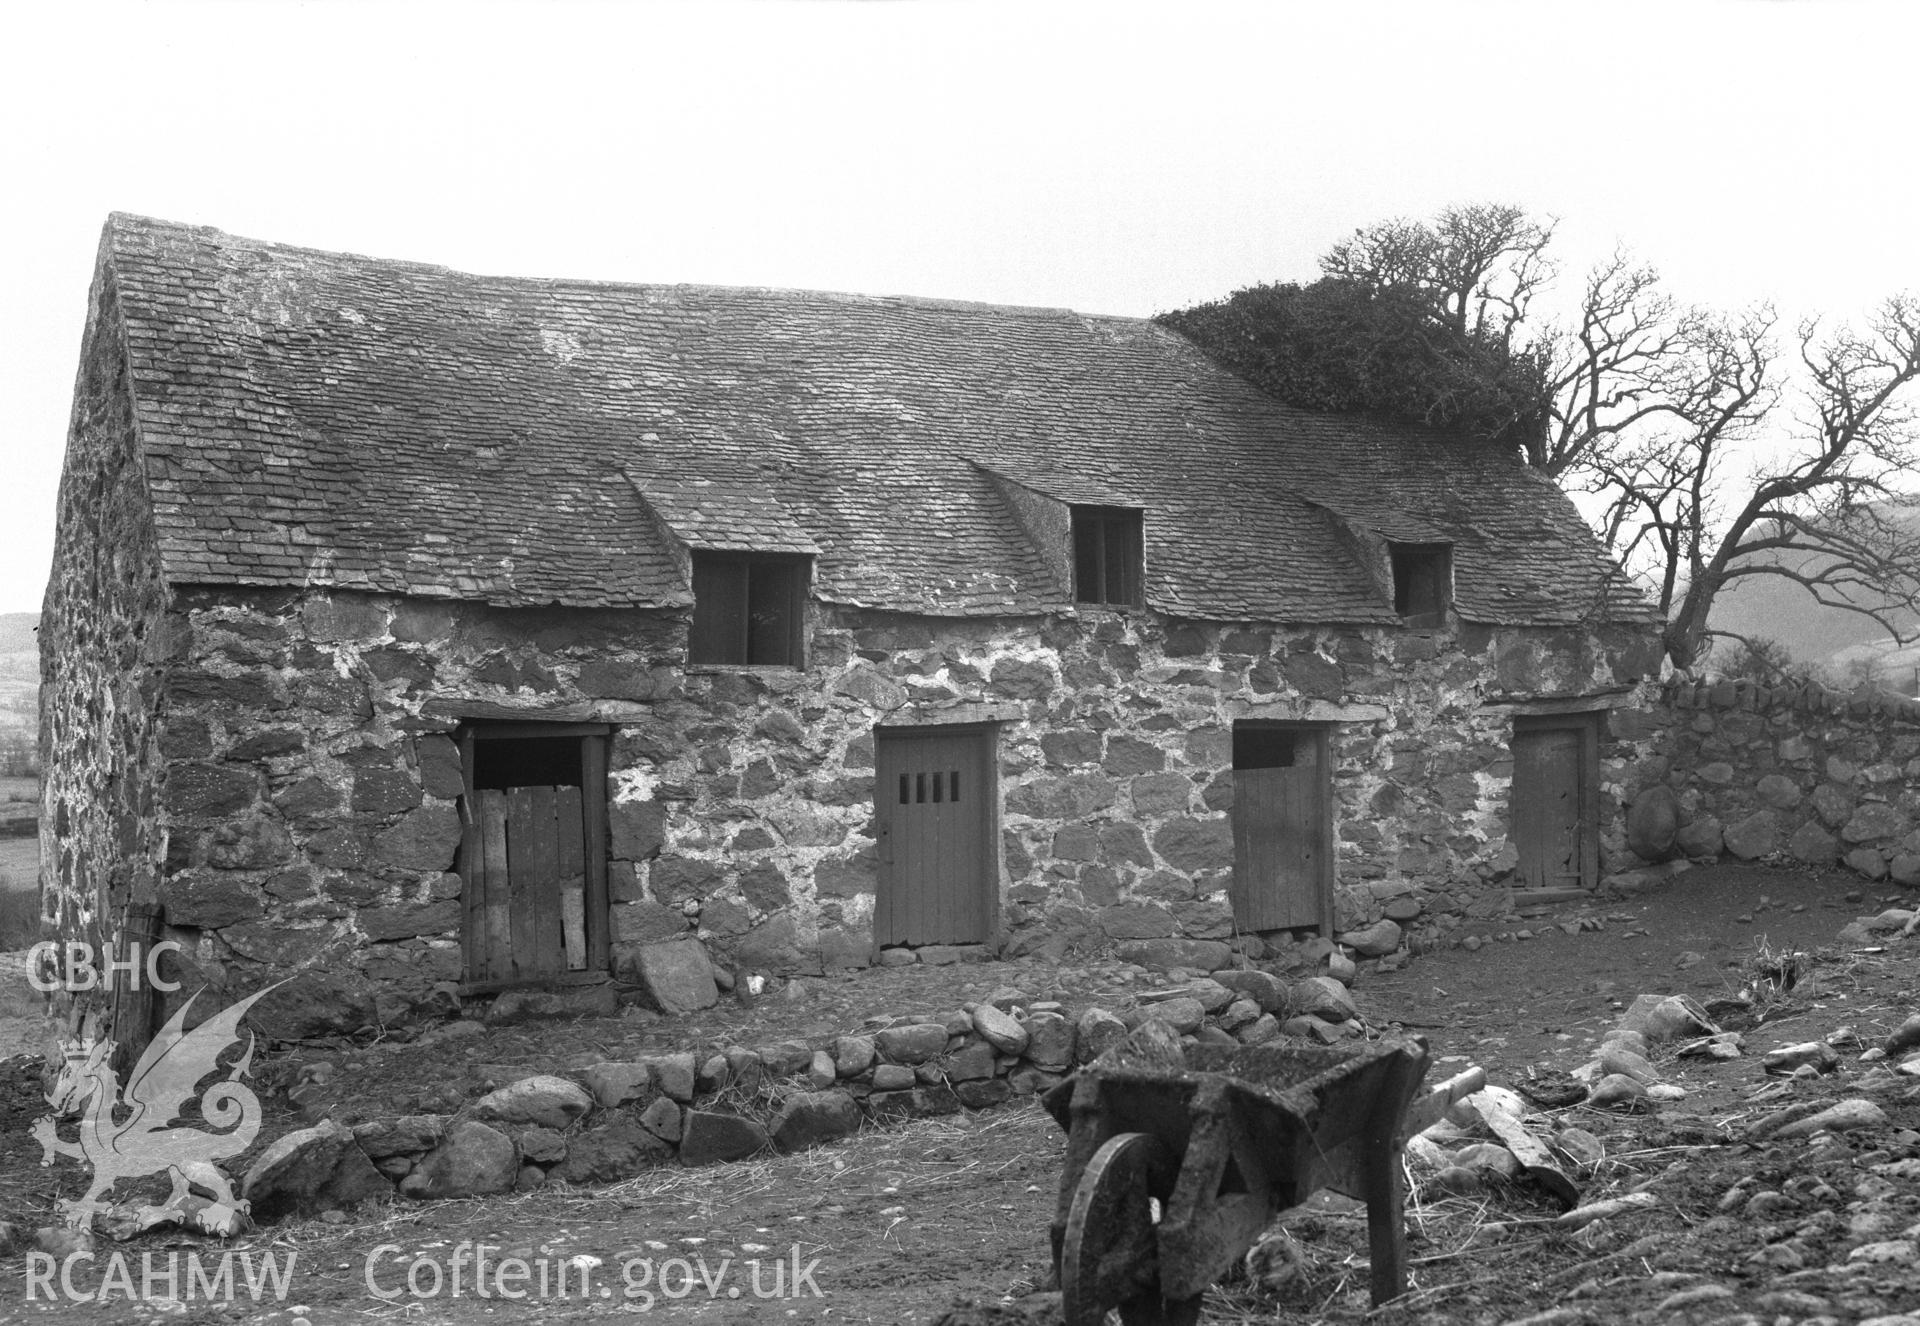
(533, 854)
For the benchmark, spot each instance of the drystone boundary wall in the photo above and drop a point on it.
(1757, 771)
(611, 1120)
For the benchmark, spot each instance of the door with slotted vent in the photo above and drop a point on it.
(933, 820)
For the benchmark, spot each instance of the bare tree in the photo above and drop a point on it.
(1702, 503)
(1677, 417)
(1624, 362)
(1478, 266)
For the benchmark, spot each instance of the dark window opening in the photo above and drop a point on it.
(1107, 556)
(1263, 747)
(526, 762)
(748, 608)
(1422, 582)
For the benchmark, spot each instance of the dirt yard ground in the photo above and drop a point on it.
(897, 1225)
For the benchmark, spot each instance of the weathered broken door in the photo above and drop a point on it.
(933, 818)
(532, 884)
(1282, 827)
(1555, 808)
(533, 853)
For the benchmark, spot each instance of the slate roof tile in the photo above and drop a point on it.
(317, 417)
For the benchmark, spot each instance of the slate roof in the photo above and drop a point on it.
(321, 418)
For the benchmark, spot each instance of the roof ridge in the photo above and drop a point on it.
(134, 221)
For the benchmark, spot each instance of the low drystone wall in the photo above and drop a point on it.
(612, 1120)
(1754, 771)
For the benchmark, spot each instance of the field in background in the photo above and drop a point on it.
(19, 864)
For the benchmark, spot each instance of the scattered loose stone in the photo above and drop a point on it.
(1580, 1147)
(1212, 995)
(812, 1117)
(543, 1101)
(1904, 1036)
(312, 1170)
(1817, 1055)
(617, 1083)
(1632, 1042)
(678, 976)
(1489, 1158)
(1264, 988)
(410, 1133)
(1669, 1017)
(1184, 1015)
(707, 1137)
(1844, 1117)
(474, 1159)
(674, 1074)
(1891, 1250)
(618, 1150)
(1693, 1297)
(1617, 1089)
(1614, 1059)
(999, 1029)
(913, 1044)
(852, 1055)
(1322, 997)
(542, 1145)
(893, 1077)
(1049, 1041)
(1260, 1031)
(1376, 940)
(1096, 1032)
(662, 1119)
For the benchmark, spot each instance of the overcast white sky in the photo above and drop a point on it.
(1110, 157)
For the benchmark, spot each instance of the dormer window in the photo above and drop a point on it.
(749, 608)
(1106, 556)
(1422, 582)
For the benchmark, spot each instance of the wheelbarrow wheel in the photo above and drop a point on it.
(1109, 1258)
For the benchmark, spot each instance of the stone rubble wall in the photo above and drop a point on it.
(104, 645)
(311, 785)
(1756, 771)
(608, 1121)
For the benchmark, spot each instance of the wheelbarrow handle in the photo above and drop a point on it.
(1426, 1111)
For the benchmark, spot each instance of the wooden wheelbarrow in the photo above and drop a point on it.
(1177, 1160)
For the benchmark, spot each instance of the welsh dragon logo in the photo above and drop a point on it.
(127, 1133)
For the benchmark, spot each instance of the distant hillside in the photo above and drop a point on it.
(1776, 608)
(17, 633)
(1780, 609)
(19, 680)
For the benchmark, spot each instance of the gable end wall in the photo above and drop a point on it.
(103, 643)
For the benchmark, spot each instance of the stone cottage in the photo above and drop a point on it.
(414, 633)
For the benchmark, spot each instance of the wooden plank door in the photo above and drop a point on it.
(933, 817)
(530, 884)
(1554, 815)
(1282, 828)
